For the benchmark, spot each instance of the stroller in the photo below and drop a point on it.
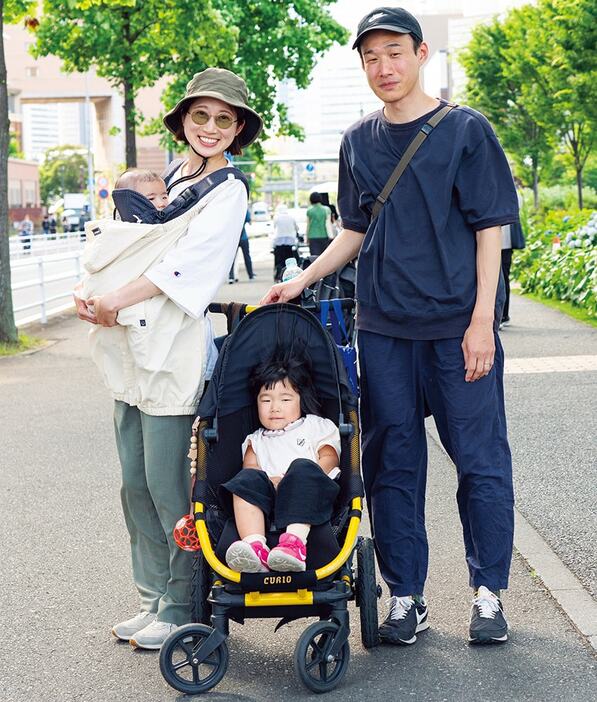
(194, 658)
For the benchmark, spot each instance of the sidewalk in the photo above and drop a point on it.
(65, 576)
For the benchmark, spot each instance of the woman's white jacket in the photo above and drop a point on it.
(155, 357)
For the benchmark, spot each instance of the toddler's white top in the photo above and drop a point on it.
(277, 448)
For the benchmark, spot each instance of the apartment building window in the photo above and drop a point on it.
(31, 71)
(12, 103)
(30, 192)
(14, 193)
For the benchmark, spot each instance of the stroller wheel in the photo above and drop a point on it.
(315, 667)
(366, 592)
(200, 589)
(181, 666)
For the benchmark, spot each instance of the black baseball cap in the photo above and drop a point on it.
(394, 19)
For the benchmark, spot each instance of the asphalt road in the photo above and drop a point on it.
(65, 574)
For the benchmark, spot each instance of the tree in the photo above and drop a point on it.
(133, 43)
(494, 88)
(558, 67)
(11, 11)
(64, 170)
(569, 76)
(276, 41)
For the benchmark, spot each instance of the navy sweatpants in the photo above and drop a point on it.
(400, 379)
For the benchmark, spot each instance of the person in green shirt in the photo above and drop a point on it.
(318, 216)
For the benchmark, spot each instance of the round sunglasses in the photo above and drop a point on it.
(202, 117)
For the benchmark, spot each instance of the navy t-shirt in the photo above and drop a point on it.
(416, 275)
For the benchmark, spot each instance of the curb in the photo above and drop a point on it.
(562, 585)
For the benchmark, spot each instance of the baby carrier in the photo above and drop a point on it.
(195, 657)
(134, 207)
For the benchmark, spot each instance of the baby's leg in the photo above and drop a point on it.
(300, 530)
(252, 499)
(305, 496)
(250, 520)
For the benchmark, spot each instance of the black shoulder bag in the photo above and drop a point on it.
(412, 148)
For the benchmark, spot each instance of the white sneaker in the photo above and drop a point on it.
(125, 630)
(153, 635)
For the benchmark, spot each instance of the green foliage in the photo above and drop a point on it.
(13, 11)
(22, 343)
(131, 41)
(562, 197)
(13, 147)
(64, 170)
(535, 75)
(276, 41)
(567, 272)
(496, 86)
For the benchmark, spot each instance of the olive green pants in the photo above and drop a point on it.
(155, 493)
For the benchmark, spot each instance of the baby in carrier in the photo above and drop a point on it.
(289, 466)
(144, 182)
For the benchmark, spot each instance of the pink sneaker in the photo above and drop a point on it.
(289, 555)
(247, 558)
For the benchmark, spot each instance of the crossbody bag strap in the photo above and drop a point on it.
(412, 148)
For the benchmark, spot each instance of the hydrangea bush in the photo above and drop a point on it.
(567, 272)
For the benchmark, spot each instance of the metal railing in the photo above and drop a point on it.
(42, 281)
(44, 244)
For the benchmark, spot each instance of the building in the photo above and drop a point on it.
(52, 105)
(23, 190)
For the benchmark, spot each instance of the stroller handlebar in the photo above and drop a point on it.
(347, 303)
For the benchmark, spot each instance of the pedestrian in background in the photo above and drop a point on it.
(283, 240)
(26, 232)
(45, 225)
(429, 306)
(243, 245)
(318, 220)
(512, 238)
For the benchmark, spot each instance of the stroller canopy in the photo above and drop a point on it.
(256, 338)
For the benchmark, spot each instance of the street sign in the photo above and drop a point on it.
(102, 181)
(310, 167)
(103, 193)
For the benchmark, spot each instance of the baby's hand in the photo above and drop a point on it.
(275, 480)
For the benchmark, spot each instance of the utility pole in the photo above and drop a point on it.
(90, 176)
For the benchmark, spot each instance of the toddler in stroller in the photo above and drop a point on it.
(195, 657)
(288, 469)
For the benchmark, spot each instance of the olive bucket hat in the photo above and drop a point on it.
(223, 85)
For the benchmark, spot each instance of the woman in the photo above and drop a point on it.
(318, 216)
(283, 239)
(153, 425)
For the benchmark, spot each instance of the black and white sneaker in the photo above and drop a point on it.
(488, 623)
(406, 619)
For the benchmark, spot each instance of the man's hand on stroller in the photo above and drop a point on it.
(284, 292)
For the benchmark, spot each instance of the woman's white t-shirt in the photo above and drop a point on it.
(277, 448)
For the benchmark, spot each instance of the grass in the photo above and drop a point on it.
(25, 343)
(565, 307)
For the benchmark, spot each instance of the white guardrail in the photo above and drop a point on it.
(44, 271)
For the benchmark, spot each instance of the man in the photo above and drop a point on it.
(428, 275)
